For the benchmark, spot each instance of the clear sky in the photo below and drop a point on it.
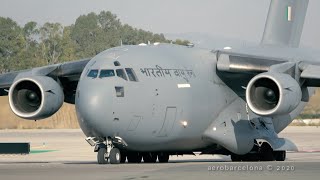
(240, 19)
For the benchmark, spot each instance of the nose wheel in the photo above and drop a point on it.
(115, 156)
(102, 156)
(107, 152)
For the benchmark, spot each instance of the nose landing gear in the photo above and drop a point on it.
(114, 156)
(108, 150)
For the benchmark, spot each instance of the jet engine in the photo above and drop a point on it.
(270, 94)
(35, 97)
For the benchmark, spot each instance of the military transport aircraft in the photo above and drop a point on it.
(152, 101)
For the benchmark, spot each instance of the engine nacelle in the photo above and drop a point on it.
(270, 94)
(35, 97)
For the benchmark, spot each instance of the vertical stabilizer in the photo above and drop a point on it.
(285, 22)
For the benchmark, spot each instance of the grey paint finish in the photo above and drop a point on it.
(151, 97)
(188, 99)
(285, 22)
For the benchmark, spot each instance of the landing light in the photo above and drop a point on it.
(184, 86)
(184, 124)
(227, 48)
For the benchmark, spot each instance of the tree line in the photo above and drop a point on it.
(32, 45)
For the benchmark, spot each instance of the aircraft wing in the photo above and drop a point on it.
(244, 63)
(311, 74)
(68, 74)
(236, 70)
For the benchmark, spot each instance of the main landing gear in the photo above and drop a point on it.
(264, 153)
(116, 156)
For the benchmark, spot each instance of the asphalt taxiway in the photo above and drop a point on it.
(64, 154)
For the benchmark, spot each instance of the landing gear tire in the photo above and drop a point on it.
(163, 157)
(115, 156)
(134, 157)
(149, 157)
(279, 155)
(235, 158)
(102, 156)
(266, 153)
(123, 157)
(247, 157)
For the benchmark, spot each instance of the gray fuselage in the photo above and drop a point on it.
(176, 97)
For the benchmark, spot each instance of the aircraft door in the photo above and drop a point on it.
(169, 119)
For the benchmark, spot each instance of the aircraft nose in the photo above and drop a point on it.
(94, 109)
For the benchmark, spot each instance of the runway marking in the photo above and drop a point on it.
(38, 147)
(41, 151)
(310, 151)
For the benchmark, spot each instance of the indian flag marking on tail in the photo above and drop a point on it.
(289, 13)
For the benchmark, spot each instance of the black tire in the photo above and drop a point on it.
(101, 156)
(235, 158)
(123, 157)
(266, 153)
(163, 157)
(280, 155)
(134, 157)
(115, 156)
(149, 157)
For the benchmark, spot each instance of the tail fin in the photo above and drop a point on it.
(285, 22)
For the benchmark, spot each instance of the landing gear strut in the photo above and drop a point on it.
(114, 156)
(108, 152)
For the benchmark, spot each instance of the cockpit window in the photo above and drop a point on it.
(131, 75)
(106, 73)
(121, 74)
(93, 73)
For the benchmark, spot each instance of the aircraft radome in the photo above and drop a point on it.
(150, 102)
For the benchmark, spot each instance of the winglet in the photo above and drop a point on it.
(285, 22)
